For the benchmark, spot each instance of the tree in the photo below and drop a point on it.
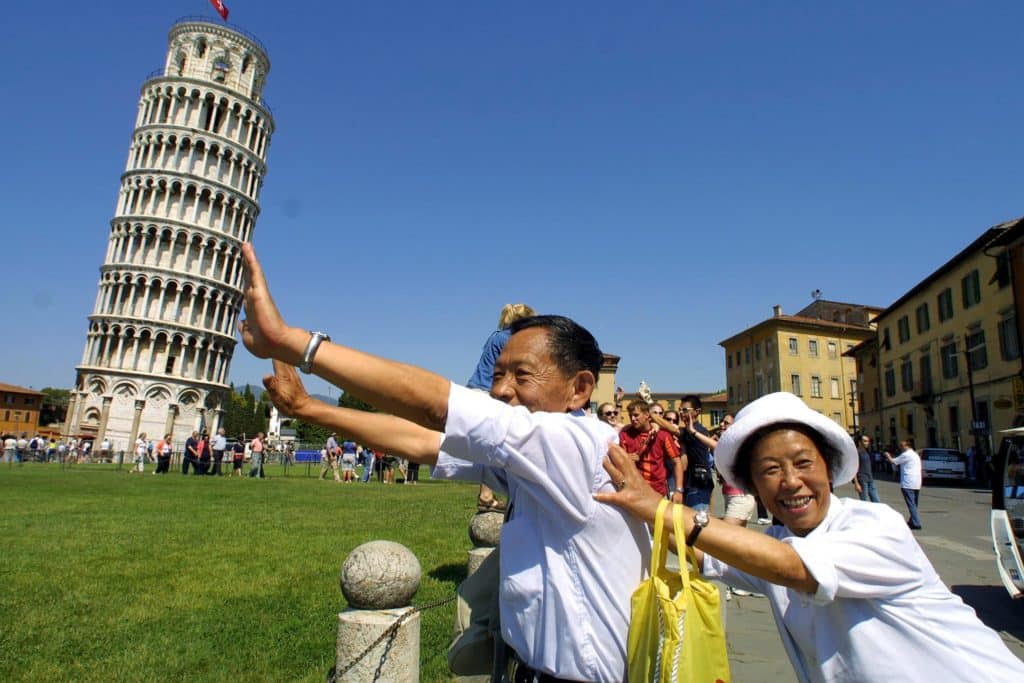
(54, 405)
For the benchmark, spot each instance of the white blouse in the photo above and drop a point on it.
(881, 612)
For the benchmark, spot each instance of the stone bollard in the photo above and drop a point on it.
(379, 579)
(485, 533)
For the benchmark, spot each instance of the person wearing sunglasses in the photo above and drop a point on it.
(609, 414)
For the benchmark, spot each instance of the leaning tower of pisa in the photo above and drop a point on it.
(161, 334)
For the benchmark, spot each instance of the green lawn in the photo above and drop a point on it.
(117, 577)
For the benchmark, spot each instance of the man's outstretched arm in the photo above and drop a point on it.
(403, 390)
(382, 432)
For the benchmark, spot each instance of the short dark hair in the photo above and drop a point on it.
(745, 455)
(692, 399)
(572, 346)
(638, 404)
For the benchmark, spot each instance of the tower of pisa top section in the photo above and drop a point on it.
(206, 52)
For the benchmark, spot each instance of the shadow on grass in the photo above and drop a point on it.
(994, 608)
(449, 573)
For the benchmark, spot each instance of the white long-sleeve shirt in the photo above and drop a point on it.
(569, 565)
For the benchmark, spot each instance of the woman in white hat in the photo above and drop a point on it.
(853, 595)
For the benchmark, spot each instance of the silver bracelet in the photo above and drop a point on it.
(311, 347)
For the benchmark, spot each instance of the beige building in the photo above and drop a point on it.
(801, 354)
(952, 335)
(604, 392)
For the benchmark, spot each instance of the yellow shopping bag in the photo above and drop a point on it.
(675, 632)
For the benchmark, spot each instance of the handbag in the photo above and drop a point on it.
(675, 631)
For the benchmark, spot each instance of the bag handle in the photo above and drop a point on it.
(688, 555)
(660, 548)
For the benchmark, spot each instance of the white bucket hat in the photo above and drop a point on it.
(784, 407)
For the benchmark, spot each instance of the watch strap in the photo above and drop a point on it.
(698, 526)
(311, 349)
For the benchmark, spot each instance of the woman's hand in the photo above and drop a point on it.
(263, 330)
(286, 391)
(633, 494)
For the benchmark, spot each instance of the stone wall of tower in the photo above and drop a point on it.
(161, 335)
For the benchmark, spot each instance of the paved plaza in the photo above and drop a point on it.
(956, 539)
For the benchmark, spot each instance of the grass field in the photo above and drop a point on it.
(117, 577)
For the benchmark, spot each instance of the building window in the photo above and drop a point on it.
(890, 382)
(757, 351)
(853, 390)
(815, 386)
(1002, 275)
(833, 350)
(903, 329)
(730, 393)
(977, 355)
(7, 416)
(949, 361)
(759, 385)
(30, 401)
(906, 375)
(794, 382)
(910, 422)
(771, 383)
(746, 354)
(169, 368)
(812, 348)
(794, 347)
(926, 374)
(767, 346)
(728, 360)
(954, 419)
(716, 417)
(834, 387)
(739, 359)
(750, 396)
(945, 304)
(1009, 344)
(923, 323)
(970, 287)
(886, 341)
(838, 417)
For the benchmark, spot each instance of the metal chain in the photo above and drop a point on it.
(389, 634)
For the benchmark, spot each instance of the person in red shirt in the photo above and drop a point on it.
(652, 450)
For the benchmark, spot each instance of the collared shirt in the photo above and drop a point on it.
(220, 442)
(881, 612)
(910, 469)
(569, 565)
(332, 445)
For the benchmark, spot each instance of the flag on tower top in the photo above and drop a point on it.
(221, 8)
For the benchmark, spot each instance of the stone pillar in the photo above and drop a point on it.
(172, 412)
(104, 416)
(134, 434)
(379, 579)
(71, 417)
(485, 533)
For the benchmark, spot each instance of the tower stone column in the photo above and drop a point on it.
(189, 198)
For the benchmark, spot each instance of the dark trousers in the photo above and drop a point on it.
(203, 466)
(412, 471)
(163, 464)
(218, 456)
(910, 497)
(187, 460)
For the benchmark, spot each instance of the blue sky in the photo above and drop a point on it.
(663, 172)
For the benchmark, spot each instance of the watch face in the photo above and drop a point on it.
(701, 518)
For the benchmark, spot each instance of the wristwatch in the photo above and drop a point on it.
(700, 520)
(311, 347)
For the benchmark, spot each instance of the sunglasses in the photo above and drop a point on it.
(610, 413)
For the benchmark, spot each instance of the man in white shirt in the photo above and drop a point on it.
(564, 598)
(910, 478)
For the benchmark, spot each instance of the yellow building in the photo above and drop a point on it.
(952, 335)
(19, 410)
(604, 392)
(801, 354)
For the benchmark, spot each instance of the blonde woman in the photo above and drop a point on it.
(484, 375)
